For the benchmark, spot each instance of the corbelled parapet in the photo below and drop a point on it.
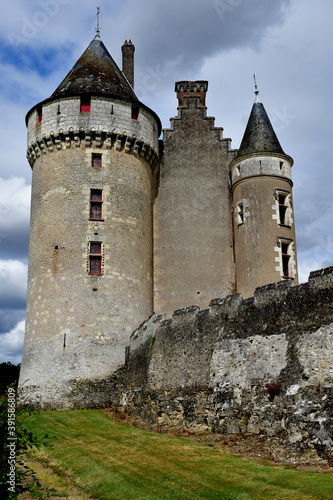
(109, 124)
(191, 92)
(92, 139)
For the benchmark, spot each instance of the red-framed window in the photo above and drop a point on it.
(95, 258)
(96, 160)
(39, 113)
(96, 204)
(85, 104)
(135, 111)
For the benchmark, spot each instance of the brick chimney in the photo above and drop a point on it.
(128, 61)
(191, 94)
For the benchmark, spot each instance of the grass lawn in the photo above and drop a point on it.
(110, 460)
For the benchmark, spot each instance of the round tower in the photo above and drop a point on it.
(93, 150)
(263, 218)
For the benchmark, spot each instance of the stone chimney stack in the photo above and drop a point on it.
(128, 61)
(191, 94)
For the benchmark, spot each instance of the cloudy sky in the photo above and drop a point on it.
(286, 43)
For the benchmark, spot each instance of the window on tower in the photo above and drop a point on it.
(95, 258)
(240, 214)
(284, 208)
(85, 104)
(39, 113)
(96, 160)
(285, 259)
(287, 263)
(135, 111)
(96, 204)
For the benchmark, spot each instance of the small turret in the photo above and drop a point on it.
(264, 230)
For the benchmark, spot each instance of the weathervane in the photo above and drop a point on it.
(98, 28)
(255, 85)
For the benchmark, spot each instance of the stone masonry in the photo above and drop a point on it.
(261, 365)
(124, 224)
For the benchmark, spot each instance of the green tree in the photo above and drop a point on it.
(15, 440)
(9, 375)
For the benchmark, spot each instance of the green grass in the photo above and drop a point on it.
(109, 460)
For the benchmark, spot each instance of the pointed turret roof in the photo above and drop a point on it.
(96, 73)
(259, 135)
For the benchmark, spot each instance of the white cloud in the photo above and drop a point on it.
(13, 283)
(14, 201)
(14, 218)
(11, 344)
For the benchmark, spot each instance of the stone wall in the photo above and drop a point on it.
(261, 365)
(193, 246)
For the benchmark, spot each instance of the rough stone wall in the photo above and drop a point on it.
(193, 255)
(261, 365)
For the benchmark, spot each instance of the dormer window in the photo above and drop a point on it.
(85, 104)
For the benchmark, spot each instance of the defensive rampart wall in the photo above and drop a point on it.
(261, 365)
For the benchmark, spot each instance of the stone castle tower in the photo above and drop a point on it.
(122, 226)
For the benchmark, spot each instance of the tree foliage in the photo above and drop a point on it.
(15, 440)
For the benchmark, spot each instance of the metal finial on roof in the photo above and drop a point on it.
(257, 98)
(98, 30)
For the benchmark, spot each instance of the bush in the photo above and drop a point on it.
(15, 440)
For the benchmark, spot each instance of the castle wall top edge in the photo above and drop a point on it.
(97, 95)
(234, 306)
(106, 114)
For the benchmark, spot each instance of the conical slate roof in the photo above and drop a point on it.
(96, 73)
(259, 135)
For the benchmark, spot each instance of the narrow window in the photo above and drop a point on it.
(96, 204)
(96, 160)
(282, 209)
(95, 258)
(285, 259)
(240, 214)
(39, 113)
(135, 111)
(85, 104)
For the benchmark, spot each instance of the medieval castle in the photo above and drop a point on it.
(123, 224)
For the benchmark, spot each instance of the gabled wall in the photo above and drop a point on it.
(193, 254)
